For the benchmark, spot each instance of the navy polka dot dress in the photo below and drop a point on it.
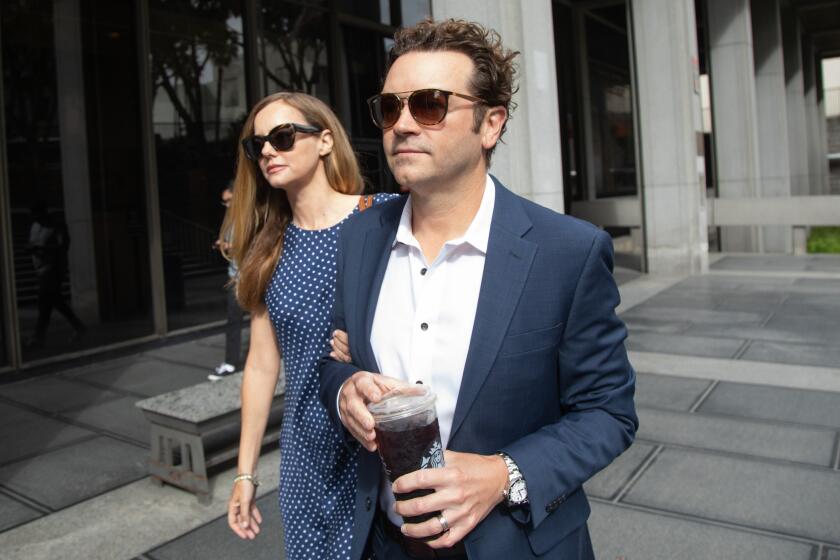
(317, 471)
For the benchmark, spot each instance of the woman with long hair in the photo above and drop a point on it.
(297, 181)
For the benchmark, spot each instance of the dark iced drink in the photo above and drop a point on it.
(408, 436)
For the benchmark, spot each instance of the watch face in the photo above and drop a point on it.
(518, 492)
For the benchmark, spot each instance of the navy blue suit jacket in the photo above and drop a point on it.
(546, 380)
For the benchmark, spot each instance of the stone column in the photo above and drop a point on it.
(72, 124)
(734, 111)
(772, 116)
(529, 162)
(797, 128)
(674, 191)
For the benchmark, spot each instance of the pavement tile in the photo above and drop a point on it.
(76, 472)
(708, 346)
(750, 305)
(119, 416)
(24, 433)
(191, 353)
(780, 333)
(709, 316)
(55, 394)
(783, 498)
(142, 375)
(668, 392)
(609, 481)
(774, 403)
(681, 300)
(636, 324)
(825, 355)
(778, 263)
(13, 513)
(791, 443)
(622, 533)
(827, 285)
(216, 341)
(833, 554)
(215, 541)
(804, 322)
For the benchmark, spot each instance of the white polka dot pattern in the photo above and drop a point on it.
(317, 471)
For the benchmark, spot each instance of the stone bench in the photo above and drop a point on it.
(196, 428)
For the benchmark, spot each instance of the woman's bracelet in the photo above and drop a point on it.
(246, 476)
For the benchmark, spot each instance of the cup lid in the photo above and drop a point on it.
(402, 402)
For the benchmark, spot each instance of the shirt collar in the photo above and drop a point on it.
(477, 234)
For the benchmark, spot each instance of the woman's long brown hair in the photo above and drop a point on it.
(258, 215)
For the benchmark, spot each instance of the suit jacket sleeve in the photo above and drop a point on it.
(596, 393)
(334, 373)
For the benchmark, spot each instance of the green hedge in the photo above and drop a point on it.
(824, 240)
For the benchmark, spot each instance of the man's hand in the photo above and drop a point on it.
(354, 396)
(465, 491)
(243, 516)
(340, 344)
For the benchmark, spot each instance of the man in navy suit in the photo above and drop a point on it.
(505, 308)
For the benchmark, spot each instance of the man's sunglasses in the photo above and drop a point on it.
(427, 106)
(281, 138)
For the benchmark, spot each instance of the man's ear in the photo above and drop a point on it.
(326, 143)
(491, 126)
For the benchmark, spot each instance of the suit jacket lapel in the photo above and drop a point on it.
(506, 268)
(374, 262)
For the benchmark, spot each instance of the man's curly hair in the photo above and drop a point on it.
(493, 80)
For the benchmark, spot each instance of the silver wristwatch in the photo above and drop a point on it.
(516, 493)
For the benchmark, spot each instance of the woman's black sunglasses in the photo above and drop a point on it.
(427, 106)
(281, 138)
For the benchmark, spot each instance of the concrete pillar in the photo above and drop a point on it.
(72, 124)
(734, 111)
(817, 163)
(797, 128)
(674, 191)
(772, 116)
(529, 161)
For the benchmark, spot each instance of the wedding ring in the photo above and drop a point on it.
(444, 524)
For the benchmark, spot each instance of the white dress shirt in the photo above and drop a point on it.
(425, 313)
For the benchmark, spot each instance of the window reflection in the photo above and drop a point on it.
(294, 49)
(374, 10)
(414, 11)
(199, 109)
(362, 69)
(75, 178)
(4, 359)
(611, 108)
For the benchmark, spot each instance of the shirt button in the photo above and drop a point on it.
(423, 271)
(424, 326)
(367, 504)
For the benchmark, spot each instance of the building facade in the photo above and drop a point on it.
(642, 116)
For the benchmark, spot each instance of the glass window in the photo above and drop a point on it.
(70, 83)
(361, 74)
(373, 10)
(571, 138)
(414, 11)
(199, 109)
(611, 108)
(294, 48)
(4, 358)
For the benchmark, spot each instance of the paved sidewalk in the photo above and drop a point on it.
(738, 454)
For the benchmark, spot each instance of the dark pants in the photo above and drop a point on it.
(233, 330)
(384, 546)
(49, 298)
